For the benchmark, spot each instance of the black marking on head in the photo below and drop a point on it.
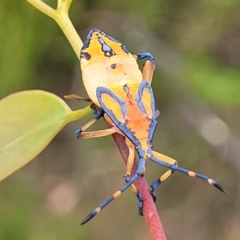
(85, 55)
(124, 48)
(113, 66)
(109, 54)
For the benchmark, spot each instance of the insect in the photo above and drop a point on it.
(123, 95)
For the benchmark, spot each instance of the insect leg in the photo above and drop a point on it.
(163, 177)
(98, 133)
(126, 176)
(76, 97)
(97, 114)
(145, 56)
(188, 172)
(117, 193)
(148, 67)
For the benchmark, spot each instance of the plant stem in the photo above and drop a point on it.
(150, 212)
(61, 17)
(75, 115)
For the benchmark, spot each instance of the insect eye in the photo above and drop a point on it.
(85, 55)
(109, 53)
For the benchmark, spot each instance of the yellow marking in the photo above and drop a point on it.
(131, 155)
(111, 104)
(117, 194)
(192, 174)
(95, 47)
(99, 70)
(166, 175)
(134, 189)
(98, 209)
(146, 100)
(210, 181)
(164, 158)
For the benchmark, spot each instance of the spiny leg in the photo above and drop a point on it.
(117, 193)
(188, 172)
(97, 114)
(98, 133)
(148, 67)
(163, 177)
(126, 176)
(76, 97)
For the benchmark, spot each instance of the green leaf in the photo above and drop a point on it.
(29, 121)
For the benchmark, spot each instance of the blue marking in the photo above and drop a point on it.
(78, 133)
(155, 184)
(122, 127)
(138, 195)
(91, 31)
(124, 48)
(152, 129)
(89, 36)
(89, 217)
(122, 189)
(147, 56)
(85, 45)
(101, 90)
(144, 84)
(185, 171)
(105, 47)
(97, 114)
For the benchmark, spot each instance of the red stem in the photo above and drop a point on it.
(151, 216)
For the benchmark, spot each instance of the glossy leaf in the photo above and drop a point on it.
(29, 120)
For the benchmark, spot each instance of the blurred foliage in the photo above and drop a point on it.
(211, 80)
(205, 35)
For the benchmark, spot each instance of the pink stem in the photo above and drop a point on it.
(151, 216)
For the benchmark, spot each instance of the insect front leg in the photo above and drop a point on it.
(148, 67)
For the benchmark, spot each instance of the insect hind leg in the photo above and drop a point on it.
(137, 193)
(164, 176)
(188, 172)
(117, 193)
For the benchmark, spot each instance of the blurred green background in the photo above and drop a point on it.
(196, 45)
